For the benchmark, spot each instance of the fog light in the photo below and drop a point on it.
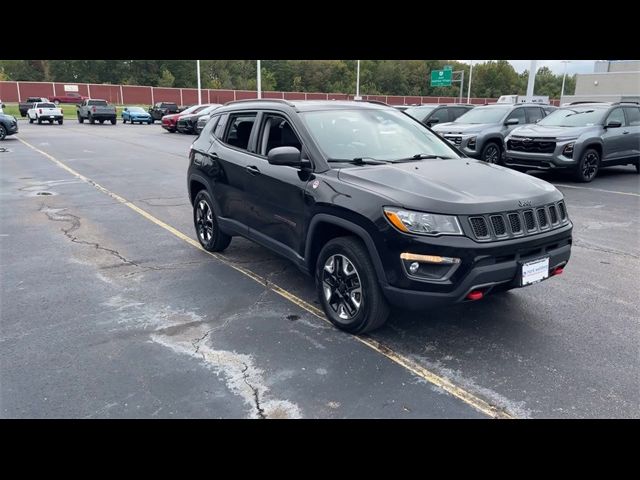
(413, 268)
(475, 295)
(471, 144)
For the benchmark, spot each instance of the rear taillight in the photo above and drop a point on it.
(94, 109)
(61, 111)
(40, 111)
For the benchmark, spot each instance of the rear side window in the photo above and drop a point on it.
(240, 128)
(633, 116)
(519, 114)
(455, 112)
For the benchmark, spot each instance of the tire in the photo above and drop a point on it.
(113, 121)
(345, 255)
(39, 121)
(124, 120)
(206, 224)
(50, 122)
(3, 132)
(101, 121)
(491, 153)
(80, 119)
(91, 120)
(30, 120)
(588, 166)
(57, 102)
(149, 122)
(60, 121)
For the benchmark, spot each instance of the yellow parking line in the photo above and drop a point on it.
(596, 189)
(417, 369)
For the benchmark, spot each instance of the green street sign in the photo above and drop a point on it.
(441, 78)
(447, 67)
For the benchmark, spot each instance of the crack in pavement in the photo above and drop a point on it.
(590, 246)
(256, 393)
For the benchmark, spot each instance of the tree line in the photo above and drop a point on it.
(377, 77)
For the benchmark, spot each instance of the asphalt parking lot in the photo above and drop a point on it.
(108, 309)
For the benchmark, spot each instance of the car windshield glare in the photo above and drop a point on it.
(375, 134)
(416, 112)
(136, 110)
(491, 114)
(574, 117)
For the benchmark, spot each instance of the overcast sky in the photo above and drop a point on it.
(575, 66)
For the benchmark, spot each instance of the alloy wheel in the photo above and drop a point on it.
(590, 165)
(204, 221)
(342, 287)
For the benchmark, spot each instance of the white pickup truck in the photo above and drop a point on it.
(45, 111)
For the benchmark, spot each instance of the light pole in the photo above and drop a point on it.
(358, 82)
(532, 78)
(469, 87)
(259, 81)
(199, 90)
(564, 76)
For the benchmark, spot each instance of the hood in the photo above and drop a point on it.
(190, 116)
(138, 114)
(549, 131)
(452, 127)
(173, 117)
(461, 186)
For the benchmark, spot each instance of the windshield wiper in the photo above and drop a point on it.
(421, 156)
(358, 161)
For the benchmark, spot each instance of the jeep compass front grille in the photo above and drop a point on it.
(500, 226)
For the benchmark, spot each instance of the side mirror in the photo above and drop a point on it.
(512, 121)
(125, 109)
(432, 121)
(289, 156)
(613, 124)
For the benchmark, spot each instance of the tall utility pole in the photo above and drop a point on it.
(469, 87)
(259, 80)
(358, 81)
(532, 78)
(199, 90)
(564, 76)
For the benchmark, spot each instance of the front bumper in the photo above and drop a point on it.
(12, 128)
(484, 266)
(139, 119)
(541, 161)
(50, 117)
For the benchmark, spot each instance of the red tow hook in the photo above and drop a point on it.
(558, 271)
(475, 295)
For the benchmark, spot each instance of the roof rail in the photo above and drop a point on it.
(276, 100)
(625, 101)
(375, 101)
(585, 101)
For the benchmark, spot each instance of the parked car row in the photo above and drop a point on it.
(581, 138)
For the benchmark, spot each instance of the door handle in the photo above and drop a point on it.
(252, 170)
(625, 132)
(213, 155)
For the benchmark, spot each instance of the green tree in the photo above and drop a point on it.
(167, 79)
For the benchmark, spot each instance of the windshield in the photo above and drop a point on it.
(46, 105)
(419, 112)
(373, 134)
(574, 117)
(136, 110)
(492, 114)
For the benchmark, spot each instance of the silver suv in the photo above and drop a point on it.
(480, 132)
(582, 137)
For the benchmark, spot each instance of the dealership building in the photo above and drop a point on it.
(611, 81)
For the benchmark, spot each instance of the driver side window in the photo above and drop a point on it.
(276, 132)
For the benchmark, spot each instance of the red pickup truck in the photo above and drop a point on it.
(69, 97)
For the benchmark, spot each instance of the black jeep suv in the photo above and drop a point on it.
(378, 208)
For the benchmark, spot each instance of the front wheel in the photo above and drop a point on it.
(92, 121)
(491, 153)
(588, 166)
(208, 231)
(30, 120)
(124, 120)
(80, 119)
(3, 132)
(39, 121)
(348, 288)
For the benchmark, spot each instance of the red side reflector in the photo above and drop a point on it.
(475, 295)
(558, 271)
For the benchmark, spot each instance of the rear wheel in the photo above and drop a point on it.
(101, 121)
(492, 153)
(348, 287)
(113, 121)
(60, 121)
(588, 166)
(124, 120)
(149, 122)
(92, 121)
(3, 132)
(30, 120)
(50, 122)
(208, 231)
(39, 121)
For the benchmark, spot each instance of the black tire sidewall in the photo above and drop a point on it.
(3, 132)
(578, 173)
(219, 241)
(357, 254)
(486, 148)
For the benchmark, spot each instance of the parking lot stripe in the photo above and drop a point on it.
(596, 189)
(405, 362)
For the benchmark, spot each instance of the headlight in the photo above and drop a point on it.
(472, 143)
(422, 223)
(568, 150)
